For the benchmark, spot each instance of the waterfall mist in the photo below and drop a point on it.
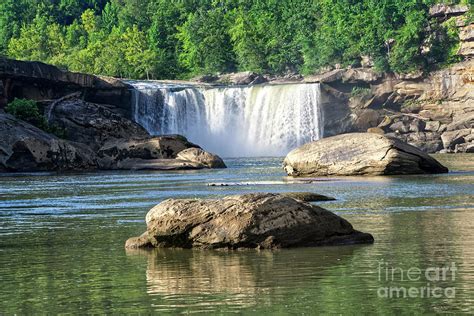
(262, 120)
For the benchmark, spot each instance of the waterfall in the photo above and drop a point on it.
(260, 120)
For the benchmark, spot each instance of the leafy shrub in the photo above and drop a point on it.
(28, 111)
(360, 92)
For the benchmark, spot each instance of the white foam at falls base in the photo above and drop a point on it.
(263, 120)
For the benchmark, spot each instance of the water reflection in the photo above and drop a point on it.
(240, 278)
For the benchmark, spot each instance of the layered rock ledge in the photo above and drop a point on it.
(39, 81)
(259, 220)
(359, 154)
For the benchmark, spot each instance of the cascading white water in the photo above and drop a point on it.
(262, 120)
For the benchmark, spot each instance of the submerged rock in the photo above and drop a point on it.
(259, 220)
(308, 196)
(359, 154)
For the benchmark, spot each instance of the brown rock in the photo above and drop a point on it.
(172, 152)
(446, 10)
(466, 33)
(245, 221)
(200, 156)
(452, 138)
(359, 154)
(376, 130)
(242, 78)
(432, 126)
(429, 142)
(464, 148)
(466, 49)
(462, 122)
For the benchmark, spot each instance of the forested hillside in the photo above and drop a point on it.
(182, 38)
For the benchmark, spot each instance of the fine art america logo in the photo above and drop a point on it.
(430, 278)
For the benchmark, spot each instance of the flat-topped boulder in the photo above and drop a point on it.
(359, 154)
(260, 220)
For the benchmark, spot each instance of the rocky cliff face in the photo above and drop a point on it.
(434, 112)
(40, 82)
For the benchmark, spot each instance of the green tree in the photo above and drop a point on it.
(206, 45)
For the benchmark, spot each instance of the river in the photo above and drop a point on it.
(62, 245)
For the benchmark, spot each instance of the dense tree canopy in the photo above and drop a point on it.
(182, 38)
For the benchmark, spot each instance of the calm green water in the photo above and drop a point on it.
(62, 238)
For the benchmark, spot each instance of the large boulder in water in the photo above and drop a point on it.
(359, 154)
(24, 147)
(259, 220)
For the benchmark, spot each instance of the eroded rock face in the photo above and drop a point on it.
(24, 147)
(91, 123)
(123, 144)
(236, 78)
(259, 220)
(359, 154)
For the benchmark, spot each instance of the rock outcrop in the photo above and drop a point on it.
(237, 78)
(359, 154)
(244, 221)
(422, 111)
(38, 81)
(414, 107)
(90, 123)
(172, 152)
(442, 10)
(95, 137)
(24, 147)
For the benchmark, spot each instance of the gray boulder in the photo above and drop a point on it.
(359, 154)
(24, 147)
(91, 123)
(259, 220)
